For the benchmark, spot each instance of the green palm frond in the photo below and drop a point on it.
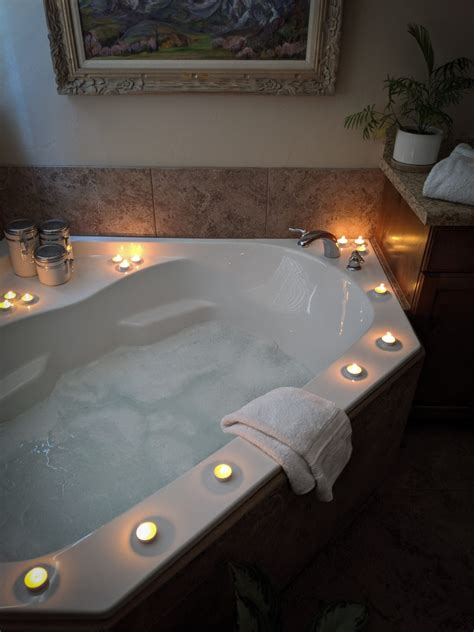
(423, 40)
(415, 104)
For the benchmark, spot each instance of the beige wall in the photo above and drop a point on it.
(40, 127)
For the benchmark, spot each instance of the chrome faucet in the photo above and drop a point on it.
(331, 248)
(355, 261)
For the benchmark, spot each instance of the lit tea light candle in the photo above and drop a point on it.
(117, 259)
(380, 289)
(27, 298)
(354, 369)
(360, 241)
(361, 248)
(223, 472)
(343, 241)
(6, 306)
(389, 338)
(36, 578)
(124, 265)
(136, 259)
(10, 295)
(146, 531)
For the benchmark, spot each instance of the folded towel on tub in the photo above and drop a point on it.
(310, 437)
(452, 179)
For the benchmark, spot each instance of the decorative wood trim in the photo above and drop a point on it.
(73, 79)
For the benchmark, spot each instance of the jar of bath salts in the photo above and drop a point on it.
(22, 239)
(56, 231)
(52, 264)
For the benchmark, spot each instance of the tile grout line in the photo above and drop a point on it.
(267, 202)
(153, 201)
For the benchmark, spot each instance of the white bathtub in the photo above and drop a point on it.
(315, 311)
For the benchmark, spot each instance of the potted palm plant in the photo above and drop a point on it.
(418, 108)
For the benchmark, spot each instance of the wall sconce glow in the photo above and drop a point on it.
(360, 241)
(146, 531)
(124, 266)
(223, 472)
(6, 306)
(354, 371)
(343, 241)
(10, 296)
(380, 289)
(136, 259)
(27, 298)
(36, 578)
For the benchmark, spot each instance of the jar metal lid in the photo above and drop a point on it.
(50, 253)
(19, 227)
(53, 227)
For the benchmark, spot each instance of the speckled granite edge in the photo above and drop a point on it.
(431, 212)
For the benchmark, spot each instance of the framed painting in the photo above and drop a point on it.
(282, 47)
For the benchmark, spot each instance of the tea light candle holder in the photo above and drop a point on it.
(6, 306)
(117, 258)
(146, 531)
(342, 241)
(136, 259)
(380, 289)
(388, 342)
(36, 579)
(354, 372)
(360, 241)
(223, 472)
(124, 266)
(10, 296)
(28, 299)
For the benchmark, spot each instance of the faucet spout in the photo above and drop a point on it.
(331, 247)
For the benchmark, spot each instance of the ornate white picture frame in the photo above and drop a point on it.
(77, 73)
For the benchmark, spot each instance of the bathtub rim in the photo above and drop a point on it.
(321, 384)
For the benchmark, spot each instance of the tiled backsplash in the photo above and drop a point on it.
(194, 202)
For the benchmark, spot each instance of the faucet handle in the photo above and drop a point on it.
(301, 231)
(357, 256)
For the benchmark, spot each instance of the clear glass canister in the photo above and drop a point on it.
(22, 238)
(52, 264)
(56, 231)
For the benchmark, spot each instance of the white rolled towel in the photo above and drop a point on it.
(310, 437)
(452, 179)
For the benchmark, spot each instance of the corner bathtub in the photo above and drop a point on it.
(310, 306)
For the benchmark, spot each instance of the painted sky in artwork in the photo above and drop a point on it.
(195, 29)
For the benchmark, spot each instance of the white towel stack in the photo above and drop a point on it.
(310, 437)
(452, 179)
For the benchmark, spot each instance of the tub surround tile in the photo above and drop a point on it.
(343, 201)
(94, 201)
(194, 202)
(219, 203)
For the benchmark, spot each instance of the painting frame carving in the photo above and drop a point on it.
(77, 76)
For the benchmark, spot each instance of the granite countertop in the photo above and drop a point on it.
(431, 212)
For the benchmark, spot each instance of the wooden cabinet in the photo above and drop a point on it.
(433, 269)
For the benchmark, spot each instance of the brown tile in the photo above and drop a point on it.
(18, 195)
(210, 202)
(95, 201)
(343, 201)
(98, 201)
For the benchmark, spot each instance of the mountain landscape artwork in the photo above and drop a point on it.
(262, 30)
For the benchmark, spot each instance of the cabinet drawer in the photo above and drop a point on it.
(450, 250)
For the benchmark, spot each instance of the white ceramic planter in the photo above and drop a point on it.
(417, 149)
